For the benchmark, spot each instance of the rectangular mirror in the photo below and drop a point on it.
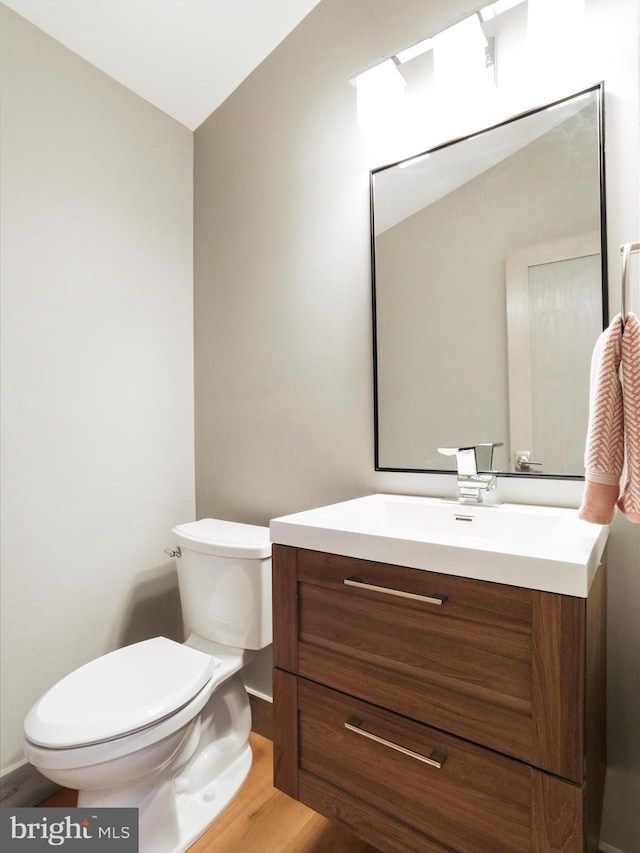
(489, 292)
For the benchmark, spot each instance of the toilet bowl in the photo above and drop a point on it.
(163, 726)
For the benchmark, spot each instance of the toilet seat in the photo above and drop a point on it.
(66, 758)
(119, 694)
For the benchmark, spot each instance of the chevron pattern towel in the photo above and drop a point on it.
(629, 502)
(614, 421)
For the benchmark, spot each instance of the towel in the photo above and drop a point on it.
(613, 435)
(604, 452)
(629, 502)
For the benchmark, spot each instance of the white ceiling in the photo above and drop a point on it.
(184, 56)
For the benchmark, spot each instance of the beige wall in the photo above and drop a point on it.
(282, 303)
(97, 376)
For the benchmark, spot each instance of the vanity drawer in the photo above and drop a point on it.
(414, 788)
(498, 665)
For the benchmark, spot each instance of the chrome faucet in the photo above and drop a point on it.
(472, 486)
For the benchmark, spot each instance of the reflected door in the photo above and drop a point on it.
(554, 319)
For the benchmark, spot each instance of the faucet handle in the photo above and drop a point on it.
(473, 457)
(465, 458)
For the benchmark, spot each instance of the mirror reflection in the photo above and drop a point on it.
(489, 293)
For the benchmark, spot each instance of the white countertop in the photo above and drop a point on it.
(536, 547)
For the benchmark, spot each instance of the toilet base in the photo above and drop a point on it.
(200, 771)
(198, 810)
(170, 821)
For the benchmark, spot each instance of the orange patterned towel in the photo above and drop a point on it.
(629, 502)
(613, 436)
(604, 453)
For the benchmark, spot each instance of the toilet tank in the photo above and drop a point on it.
(224, 575)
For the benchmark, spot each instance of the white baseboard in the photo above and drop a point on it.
(608, 848)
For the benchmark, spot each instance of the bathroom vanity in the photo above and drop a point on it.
(438, 711)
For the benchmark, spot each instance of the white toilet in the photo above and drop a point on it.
(163, 726)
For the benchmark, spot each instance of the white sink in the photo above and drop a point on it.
(545, 548)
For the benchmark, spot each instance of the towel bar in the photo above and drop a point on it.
(626, 250)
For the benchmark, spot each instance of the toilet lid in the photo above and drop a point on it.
(119, 693)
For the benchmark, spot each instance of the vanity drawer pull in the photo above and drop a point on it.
(429, 599)
(436, 759)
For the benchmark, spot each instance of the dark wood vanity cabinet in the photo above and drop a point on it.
(428, 712)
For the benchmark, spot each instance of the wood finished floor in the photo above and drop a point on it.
(262, 819)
